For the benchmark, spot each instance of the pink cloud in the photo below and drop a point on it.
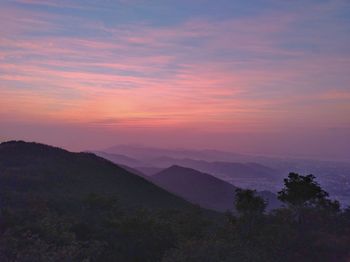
(141, 76)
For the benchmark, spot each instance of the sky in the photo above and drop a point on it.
(262, 77)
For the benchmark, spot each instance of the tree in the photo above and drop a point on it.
(250, 208)
(301, 193)
(247, 203)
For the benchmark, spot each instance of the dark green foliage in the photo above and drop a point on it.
(302, 191)
(247, 203)
(306, 198)
(102, 231)
(62, 206)
(250, 208)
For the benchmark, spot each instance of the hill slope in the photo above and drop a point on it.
(196, 187)
(203, 189)
(53, 173)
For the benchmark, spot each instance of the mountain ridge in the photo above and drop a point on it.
(52, 172)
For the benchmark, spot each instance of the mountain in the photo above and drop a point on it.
(31, 169)
(146, 153)
(246, 171)
(149, 171)
(245, 175)
(232, 169)
(196, 187)
(201, 188)
(120, 159)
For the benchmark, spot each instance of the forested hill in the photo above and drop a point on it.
(56, 174)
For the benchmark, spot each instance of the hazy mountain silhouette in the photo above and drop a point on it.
(54, 173)
(243, 174)
(230, 169)
(224, 165)
(246, 171)
(120, 159)
(149, 171)
(203, 189)
(146, 153)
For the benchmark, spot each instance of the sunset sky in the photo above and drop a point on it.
(263, 77)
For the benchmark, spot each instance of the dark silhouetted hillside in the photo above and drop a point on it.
(54, 173)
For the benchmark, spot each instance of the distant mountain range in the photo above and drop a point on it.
(151, 166)
(229, 169)
(252, 175)
(147, 153)
(190, 179)
(120, 159)
(198, 181)
(247, 171)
